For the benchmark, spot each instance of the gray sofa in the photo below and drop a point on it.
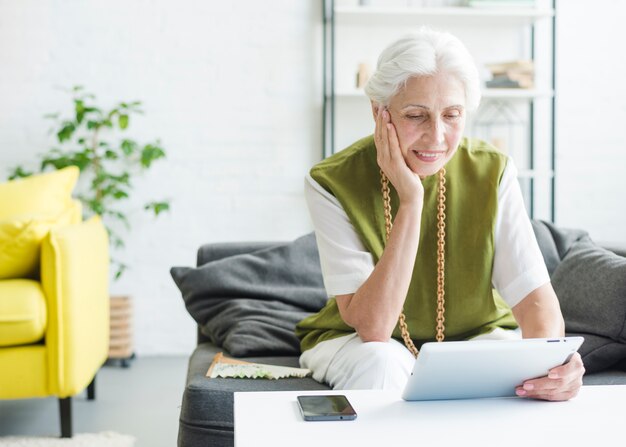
(206, 417)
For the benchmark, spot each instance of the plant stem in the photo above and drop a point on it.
(97, 165)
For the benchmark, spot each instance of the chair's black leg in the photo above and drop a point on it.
(91, 389)
(65, 408)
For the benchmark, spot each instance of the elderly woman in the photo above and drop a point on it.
(416, 226)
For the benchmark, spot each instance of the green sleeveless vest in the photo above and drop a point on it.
(472, 179)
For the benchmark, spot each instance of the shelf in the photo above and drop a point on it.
(534, 173)
(365, 15)
(515, 93)
(488, 93)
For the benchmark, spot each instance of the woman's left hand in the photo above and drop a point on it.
(562, 382)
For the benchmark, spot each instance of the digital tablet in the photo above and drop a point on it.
(484, 368)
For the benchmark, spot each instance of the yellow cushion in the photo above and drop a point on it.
(20, 242)
(46, 194)
(22, 312)
(77, 212)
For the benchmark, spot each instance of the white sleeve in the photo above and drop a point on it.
(518, 266)
(346, 264)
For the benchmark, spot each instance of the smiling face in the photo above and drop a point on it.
(429, 116)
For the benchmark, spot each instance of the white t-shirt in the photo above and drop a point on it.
(518, 267)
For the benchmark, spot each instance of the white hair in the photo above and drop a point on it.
(423, 53)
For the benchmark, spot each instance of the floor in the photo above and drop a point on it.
(142, 400)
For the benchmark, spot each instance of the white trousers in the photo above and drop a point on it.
(348, 363)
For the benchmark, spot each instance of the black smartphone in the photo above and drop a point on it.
(326, 408)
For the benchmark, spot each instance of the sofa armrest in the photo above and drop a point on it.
(75, 280)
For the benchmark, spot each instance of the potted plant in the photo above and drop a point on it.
(89, 138)
(85, 141)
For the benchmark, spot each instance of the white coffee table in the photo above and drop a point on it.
(595, 417)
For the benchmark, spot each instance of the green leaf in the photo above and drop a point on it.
(98, 180)
(123, 121)
(135, 107)
(118, 242)
(79, 107)
(93, 124)
(19, 172)
(96, 206)
(157, 207)
(81, 160)
(121, 268)
(150, 153)
(123, 178)
(128, 147)
(66, 131)
(120, 194)
(57, 163)
(110, 155)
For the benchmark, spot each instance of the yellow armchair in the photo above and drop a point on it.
(54, 324)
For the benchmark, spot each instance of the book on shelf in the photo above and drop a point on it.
(513, 74)
(518, 66)
(510, 81)
(232, 368)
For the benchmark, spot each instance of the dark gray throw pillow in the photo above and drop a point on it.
(249, 303)
(248, 327)
(591, 285)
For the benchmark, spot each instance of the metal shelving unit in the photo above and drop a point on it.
(446, 16)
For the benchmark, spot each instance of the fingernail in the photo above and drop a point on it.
(553, 375)
(520, 392)
(529, 386)
(385, 114)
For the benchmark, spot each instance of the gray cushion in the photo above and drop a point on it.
(254, 327)
(554, 242)
(250, 303)
(218, 250)
(591, 285)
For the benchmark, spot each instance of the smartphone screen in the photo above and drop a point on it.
(326, 408)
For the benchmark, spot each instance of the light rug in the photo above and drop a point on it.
(104, 439)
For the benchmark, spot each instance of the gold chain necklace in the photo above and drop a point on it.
(441, 242)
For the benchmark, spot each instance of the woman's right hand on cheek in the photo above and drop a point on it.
(390, 159)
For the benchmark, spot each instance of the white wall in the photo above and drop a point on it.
(232, 89)
(591, 115)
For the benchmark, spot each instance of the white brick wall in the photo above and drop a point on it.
(591, 146)
(233, 90)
